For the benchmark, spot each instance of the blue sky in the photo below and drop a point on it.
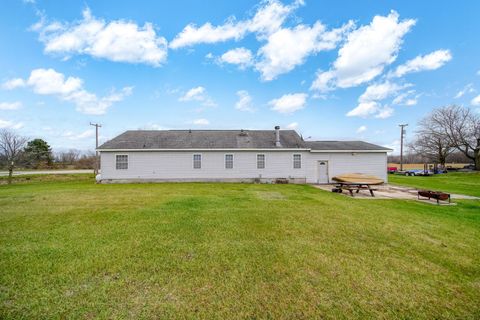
(329, 69)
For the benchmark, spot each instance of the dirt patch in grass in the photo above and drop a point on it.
(269, 195)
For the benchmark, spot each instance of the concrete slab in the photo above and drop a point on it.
(394, 192)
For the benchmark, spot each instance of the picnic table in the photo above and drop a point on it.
(356, 182)
(354, 187)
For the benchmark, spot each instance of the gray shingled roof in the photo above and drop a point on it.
(343, 145)
(203, 139)
(225, 139)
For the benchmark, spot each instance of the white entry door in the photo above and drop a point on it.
(322, 172)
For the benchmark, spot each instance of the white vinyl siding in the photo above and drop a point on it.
(297, 161)
(260, 161)
(197, 161)
(229, 161)
(121, 161)
(178, 166)
(370, 163)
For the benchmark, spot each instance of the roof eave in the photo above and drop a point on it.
(204, 149)
(346, 151)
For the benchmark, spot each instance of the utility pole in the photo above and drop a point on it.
(96, 125)
(402, 134)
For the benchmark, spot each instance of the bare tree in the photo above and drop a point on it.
(68, 157)
(11, 147)
(461, 127)
(431, 142)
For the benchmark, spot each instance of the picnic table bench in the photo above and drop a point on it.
(354, 187)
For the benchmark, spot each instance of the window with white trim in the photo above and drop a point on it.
(121, 161)
(260, 161)
(197, 161)
(229, 161)
(297, 161)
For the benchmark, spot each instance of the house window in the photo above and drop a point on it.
(260, 161)
(297, 161)
(197, 161)
(121, 162)
(229, 161)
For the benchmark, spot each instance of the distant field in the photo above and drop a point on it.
(72, 249)
(410, 166)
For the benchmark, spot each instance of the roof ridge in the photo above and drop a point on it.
(157, 130)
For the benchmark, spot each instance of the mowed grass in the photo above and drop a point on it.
(467, 183)
(72, 249)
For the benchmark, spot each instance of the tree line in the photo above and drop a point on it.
(17, 151)
(446, 133)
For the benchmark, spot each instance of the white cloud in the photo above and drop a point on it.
(201, 122)
(289, 103)
(372, 108)
(364, 109)
(79, 136)
(406, 98)
(239, 56)
(362, 129)
(380, 91)
(244, 102)
(86, 134)
(430, 61)
(13, 84)
(476, 101)
(89, 103)
(6, 124)
(153, 126)
(207, 33)
(292, 126)
(467, 89)
(411, 102)
(395, 146)
(198, 94)
(324, 81)
(268, 18)
(384, 112)
(10, 105)
(271, 16)
(369, 102)
(286, 48)
(119, 40)
(365, 53)
(51, 82)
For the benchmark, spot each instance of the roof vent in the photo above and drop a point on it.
(277, 136)
(243, 133)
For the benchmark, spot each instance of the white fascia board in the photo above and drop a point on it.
(196, 149)
(350, 151)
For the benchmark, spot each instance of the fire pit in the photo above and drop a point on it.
(437, 195)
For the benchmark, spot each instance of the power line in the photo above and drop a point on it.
(402, 134)
(96, 125)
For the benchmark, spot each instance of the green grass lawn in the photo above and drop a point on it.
(455, 182)
(73, 249)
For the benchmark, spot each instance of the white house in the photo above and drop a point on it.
(235, 156)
